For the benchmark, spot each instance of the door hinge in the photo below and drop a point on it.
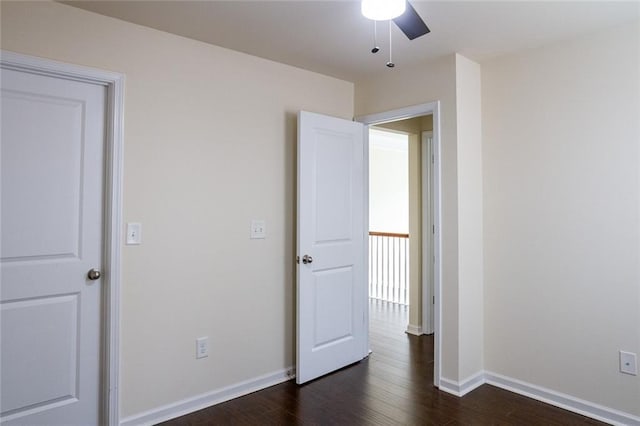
(433, 229)
(298, 260)
(434, 300)
(432, 159)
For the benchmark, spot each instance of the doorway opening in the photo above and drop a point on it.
(389, 216)
(389, 250)
(420, 124)
(399, 215)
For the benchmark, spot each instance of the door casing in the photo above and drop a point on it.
(114, 84)
(427, 160)
(432, 108)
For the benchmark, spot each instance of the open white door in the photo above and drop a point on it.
(331, 274)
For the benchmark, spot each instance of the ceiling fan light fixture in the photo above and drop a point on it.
(383, 10)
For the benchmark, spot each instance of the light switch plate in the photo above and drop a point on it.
(258, 229)
(202, 347)
(134, 233)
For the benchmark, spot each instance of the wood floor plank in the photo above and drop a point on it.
(393, 386)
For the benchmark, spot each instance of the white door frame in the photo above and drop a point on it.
(428, 260)
(114, 84)
(432, 108)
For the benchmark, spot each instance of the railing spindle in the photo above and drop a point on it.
(393, 266)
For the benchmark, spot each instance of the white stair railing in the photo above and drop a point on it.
(389, 267)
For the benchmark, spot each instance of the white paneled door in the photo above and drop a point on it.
(331, 275)
(52, 169)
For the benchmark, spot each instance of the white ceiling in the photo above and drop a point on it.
(333, 38)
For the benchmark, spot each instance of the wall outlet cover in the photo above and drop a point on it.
(628, 363)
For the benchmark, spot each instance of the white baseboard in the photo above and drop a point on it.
(462, 388)
(189, 405)
(414, 330)
(558, 399)
(568, 402)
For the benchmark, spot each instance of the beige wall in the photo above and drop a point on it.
(470, 249)
(560, 203)
(410, 125)
(429, 82)
(540, 272)
(561, 156)
(438, 81)
(414, 127)
(209, 145)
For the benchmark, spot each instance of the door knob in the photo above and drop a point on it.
(93, 274)
(307, 259)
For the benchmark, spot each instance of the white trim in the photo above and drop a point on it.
(33, 64)
(567, 402)
(113, 218)
(464, 387)
(437, 245)
(401, 114)
(449, 386)
(428, 258)
(414, 330)
(539, 393)
(366, 349)
(114, 84)
(190, 405)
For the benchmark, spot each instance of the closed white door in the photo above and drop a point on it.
(331, 278)
(52, 155)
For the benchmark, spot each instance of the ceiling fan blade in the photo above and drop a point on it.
(411, 23)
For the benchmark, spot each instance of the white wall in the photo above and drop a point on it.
(561, 160)
(388, 182)
(209, 145)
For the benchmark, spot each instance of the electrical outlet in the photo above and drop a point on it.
(628, 363)
(202, 347)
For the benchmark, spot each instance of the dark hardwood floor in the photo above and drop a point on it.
(394, 386)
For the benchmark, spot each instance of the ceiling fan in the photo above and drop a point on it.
(401, 12)
(411, 23)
